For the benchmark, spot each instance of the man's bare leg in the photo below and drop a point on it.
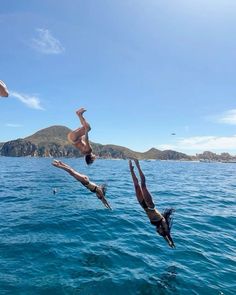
(83, 122)
(81, 111)
(146, 194)
(76, 135)
(80, 177)
(137, 188)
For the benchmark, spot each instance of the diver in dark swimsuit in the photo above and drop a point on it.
(99, 190)
(161, 221)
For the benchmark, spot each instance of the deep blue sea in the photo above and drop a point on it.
(69, 243)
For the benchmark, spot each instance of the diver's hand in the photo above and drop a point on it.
(106, 204)
(104, 201)
(169, 241)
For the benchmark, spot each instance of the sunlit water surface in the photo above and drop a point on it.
(69, 243)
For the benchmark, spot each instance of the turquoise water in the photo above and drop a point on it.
(69, 244)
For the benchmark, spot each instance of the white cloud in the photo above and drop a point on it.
(203, 143)
(228, 117)
(32, 102)
(13, 125)
(46, 43)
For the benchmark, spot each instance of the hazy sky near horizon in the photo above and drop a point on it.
(143, 70)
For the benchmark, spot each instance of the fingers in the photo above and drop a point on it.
(106, 204)
(169, 241)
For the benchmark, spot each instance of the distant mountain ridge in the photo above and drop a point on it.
(56, 134)
(52, 142)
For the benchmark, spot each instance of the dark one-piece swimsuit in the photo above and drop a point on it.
(154, 215)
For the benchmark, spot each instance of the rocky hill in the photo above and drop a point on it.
(208, 156)
(53, 134)
(52, 142)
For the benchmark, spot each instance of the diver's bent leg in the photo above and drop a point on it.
(83, 122)
(76, 135)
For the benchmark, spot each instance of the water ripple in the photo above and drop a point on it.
(69, 244)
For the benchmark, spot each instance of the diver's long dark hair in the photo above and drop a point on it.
(168, 214)
(104, 188)
(88, 159)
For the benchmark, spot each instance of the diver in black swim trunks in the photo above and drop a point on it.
(80, 139)
(161, 221)
(100, 190)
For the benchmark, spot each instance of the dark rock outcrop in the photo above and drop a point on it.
(173, 155)
(213, 157)
(18, 148)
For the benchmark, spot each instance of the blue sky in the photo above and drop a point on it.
(142, 69)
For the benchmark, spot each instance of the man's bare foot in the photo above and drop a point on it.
(57, 163)
(81, 111)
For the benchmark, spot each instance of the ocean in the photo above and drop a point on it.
(68, 243)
